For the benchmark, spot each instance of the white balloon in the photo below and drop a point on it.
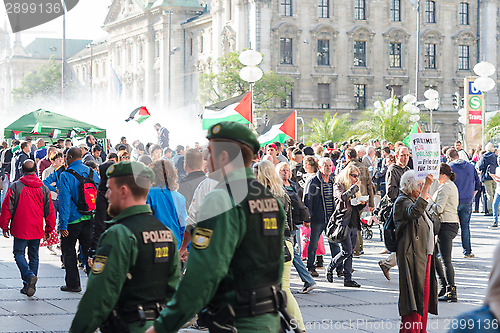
(484, 83)
(378, 104)
(462, 119)
(431, 94)
(461, 112)
(484, 69)
(250, 58)
(414, 118)
(251, 74)
(410, 108)
(409, 99)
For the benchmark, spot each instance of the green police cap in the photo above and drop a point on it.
(234, 131)
(130, 169)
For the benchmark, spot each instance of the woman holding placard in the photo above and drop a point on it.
(445, 204)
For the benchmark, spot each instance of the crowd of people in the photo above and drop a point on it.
(348, 184)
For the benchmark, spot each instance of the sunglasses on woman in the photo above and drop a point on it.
(353, 175)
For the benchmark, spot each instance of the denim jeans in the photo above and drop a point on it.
(345, 256)
(27, 270)
(304, 274)
(464, 214)
(496, 202)
(445, 238)
(477, 198)
(316, 230)
(5, 185)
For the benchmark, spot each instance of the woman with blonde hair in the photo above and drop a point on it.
(347, 210)
(268, 177)
(167, 204)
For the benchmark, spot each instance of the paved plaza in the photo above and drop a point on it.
(329, 308)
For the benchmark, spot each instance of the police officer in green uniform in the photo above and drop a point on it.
(234, 269)
(136, 268)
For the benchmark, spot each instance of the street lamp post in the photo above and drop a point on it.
(484, 83)
(432, 103)
(416, 3)
(251, 73)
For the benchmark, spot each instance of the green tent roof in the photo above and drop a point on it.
(49, 121)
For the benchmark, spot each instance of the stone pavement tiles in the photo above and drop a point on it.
(330, 307)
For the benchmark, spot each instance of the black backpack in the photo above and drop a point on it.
(87, 192)
(390, 240)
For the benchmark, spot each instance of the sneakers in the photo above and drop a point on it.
(71, 290)
(329, 277)
(494, 225)
(23, 290)
(351, 284)
(313, 273)
(469, 255)
(385, 270)
(307, 289)
(30, 287)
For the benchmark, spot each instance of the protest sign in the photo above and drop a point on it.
(426, 154)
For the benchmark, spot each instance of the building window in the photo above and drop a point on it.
(287, 102)
(286, 51)
(396, 10)
(359, 10)
(190, 46)
(324, 95)
(360, 96)
(360, 53)
(430, 11)
(323, 8)
(463, 57)
(323, 52)
(157, 49)
(141, 51)
(397, 91)
(430, 56)
(464, 13)
(286, 8)
(201, 44)
(129, 54)
(395, 55)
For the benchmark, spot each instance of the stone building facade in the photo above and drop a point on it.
(342, 55)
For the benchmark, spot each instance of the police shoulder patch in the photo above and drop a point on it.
(99, 264)
(201, 238)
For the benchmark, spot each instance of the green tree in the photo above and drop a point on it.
(44, 81)
(226, 83)
(388, 120)
(334, 128)
(492, 128)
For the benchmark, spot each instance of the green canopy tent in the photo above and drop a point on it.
(49, 122)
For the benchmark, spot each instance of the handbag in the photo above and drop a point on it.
(53, 239)
(339, 234)
(390, 240)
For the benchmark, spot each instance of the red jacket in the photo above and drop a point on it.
(27, 203)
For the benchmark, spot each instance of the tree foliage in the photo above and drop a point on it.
(389, 122)
(492, 128)
(226, 83)
(334, 128)
(44, 81)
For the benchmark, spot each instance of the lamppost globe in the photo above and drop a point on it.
(251, 74)
(250, 58)
(378, 105)
(414, 118)
(484, 84)
(484, 68)
(411, 108)
(431, 94)
(431, 104)
(411, 99)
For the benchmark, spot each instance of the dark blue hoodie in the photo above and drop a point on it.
(467, 180)
(487, 165)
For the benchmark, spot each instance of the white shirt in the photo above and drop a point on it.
(497, 190)
(200, 193)
(463, 155)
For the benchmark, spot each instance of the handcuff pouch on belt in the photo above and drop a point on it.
(220, 321)
(114, 324)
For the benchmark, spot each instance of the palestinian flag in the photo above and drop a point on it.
(281, 132)
(16, 135)
(94, 130)
(143, 114)
(79, 131)
(414, 129)
(245, 107)
(55, 133)
(229, 113)
(37, 129)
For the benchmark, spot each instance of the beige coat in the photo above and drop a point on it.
(446, 202)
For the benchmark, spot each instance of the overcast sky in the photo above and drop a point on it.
(84, 21)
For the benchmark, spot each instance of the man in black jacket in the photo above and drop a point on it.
(192, 164)
(6, 160)
(20, 156)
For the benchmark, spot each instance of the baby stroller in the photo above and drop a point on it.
(367, 222)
